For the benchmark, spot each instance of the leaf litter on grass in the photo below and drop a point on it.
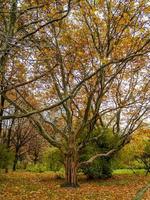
(44, 186)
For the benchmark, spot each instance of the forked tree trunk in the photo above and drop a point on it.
(71, 171)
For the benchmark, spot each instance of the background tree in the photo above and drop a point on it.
(22, 134)
(135, 155)
(36, 147)
(6, 143)
(145, 157)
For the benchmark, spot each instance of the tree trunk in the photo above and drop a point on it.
(71, 171)
(15, 163)
(6, 170)
(35, 160)
(147, 171)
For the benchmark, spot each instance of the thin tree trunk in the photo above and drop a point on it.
(6, 170)
(15, 163)
(35, 159)
(147, 171)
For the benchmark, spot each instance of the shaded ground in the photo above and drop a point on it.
(44, 186)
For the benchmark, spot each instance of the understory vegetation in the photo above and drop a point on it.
(132, 158)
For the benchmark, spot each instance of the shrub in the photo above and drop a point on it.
(52, 159)
(60, 174)
(36, 168)
(100, 168)
(104, 141)
(6, 156)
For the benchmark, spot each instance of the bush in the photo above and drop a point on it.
(36, 168)
(52, 159)
(60, 174)
(6, 156)
(100, 168)
(104, 141)
(135, 155)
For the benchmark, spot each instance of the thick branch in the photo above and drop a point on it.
(109, 153)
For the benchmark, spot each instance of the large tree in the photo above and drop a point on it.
(96, 65)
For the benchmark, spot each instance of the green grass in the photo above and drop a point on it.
(116, 182)
(129, 171)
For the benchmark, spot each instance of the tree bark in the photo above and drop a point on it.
(71, 171)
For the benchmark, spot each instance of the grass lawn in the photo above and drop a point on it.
(129, 171)
(45, 186)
